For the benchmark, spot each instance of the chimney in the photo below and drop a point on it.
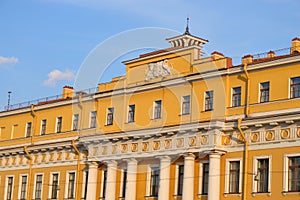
(271, 54)
(216, 55)
(295, 45)
(68, 92)
(247, 59)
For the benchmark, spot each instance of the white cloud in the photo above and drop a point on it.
(8, 60)
(56, 75)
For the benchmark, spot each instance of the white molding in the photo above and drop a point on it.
(51, 185)
(67, 183)
(102, 182)
(177, 177)
(6, 186)
(227, 174)
(20, 185)
(34, 186)
(84, 183)
(286, 170)
(255, 163)
(201, 176)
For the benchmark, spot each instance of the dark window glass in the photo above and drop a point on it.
(294, 174)
(234, 176)
(264, 92)
(262, 175)
(236, 96)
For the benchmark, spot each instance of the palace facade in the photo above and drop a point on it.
(178, 125)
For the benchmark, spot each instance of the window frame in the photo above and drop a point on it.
(75, 122)
(227, 175)
(36, 184)
(123, 183)
(103, 183)
(286, 184)
(186, 105)
(208, 100)
(179, 177)
(9, 188)
(157, 105)
(236, 96)
(43, 126)
(201, 177)
(53, 188)
(131, 113)
(22, 195)
(58, 124)
(93, 119)
(294, 93)
(255, 174)
(110, 116)
(28, 129)
(263, 98)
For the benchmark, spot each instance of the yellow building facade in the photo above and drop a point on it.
(178, 125)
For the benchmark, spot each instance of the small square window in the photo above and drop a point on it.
(110, 116)
(236, 96)
(264, 92)
(186, 105)
(209, 100)
(295, 87)
(93, 119)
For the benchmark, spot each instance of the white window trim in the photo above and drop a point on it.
(34, 184)
(255, 162)
(231, 96)
(6, 186)
(102, 181)
(73, 117)
(121, 180)
(204, 100)
(90, 120)
(84, 176)
(148, 179)
(20, 185)
(57, 124)
(153, 109)
(67, 183)
(182, 101)
(42, 126)
(107, 112)
(200, 176)
(176, 177)
(50, 184)
(286, 170)
(227, 173)
(26, 127)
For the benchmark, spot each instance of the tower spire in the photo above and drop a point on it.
(187, 26)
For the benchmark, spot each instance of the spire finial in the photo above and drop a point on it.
(187, 26)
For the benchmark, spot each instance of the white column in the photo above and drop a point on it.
(131, 179)
(214, 176)
(164, 178)
(110, 193)
(92, 181)
(188, 177)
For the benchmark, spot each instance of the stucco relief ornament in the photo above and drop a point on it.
(158, 69)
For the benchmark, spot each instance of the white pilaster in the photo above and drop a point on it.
(188, 177)
(214, 176)
(131, 180)
(110, 193)
(164, 178)
(92, 181)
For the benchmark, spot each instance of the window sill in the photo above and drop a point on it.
(232, 194)
(207, 110)
(290, 192)
(184, 114)
(261, 193)
(131, 122)
(108, 124)
(154, 119)
(177, 197)
(151, 197)
(201, 195)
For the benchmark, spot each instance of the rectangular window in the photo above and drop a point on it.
(294, 174)
(236, 96)
(43, 128)
(205, 171)
(124, 181)
(38, 187)
(209, 100)
(58, 124)
(23, 187)
(10, 182)
(264, 92)
(131, 112)
(154, 182)
(104, 182)
(157, 109)
(295, 87)
(54, 186)
(28, 129)
(234, 177)
(110, 116)
(75, 122)
(71, 185)
(93, 119)
(185, 105)
(262, 176)
(180, 180)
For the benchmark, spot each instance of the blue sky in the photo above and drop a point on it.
(44, 43)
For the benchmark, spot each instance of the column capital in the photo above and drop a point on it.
(92, 164)
(189, 155)
(131, 160)
(164, 158)
(216, 153)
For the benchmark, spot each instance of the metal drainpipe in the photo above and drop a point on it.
(30, 170)
(248, 88)
(78, 168)
(245, 159)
